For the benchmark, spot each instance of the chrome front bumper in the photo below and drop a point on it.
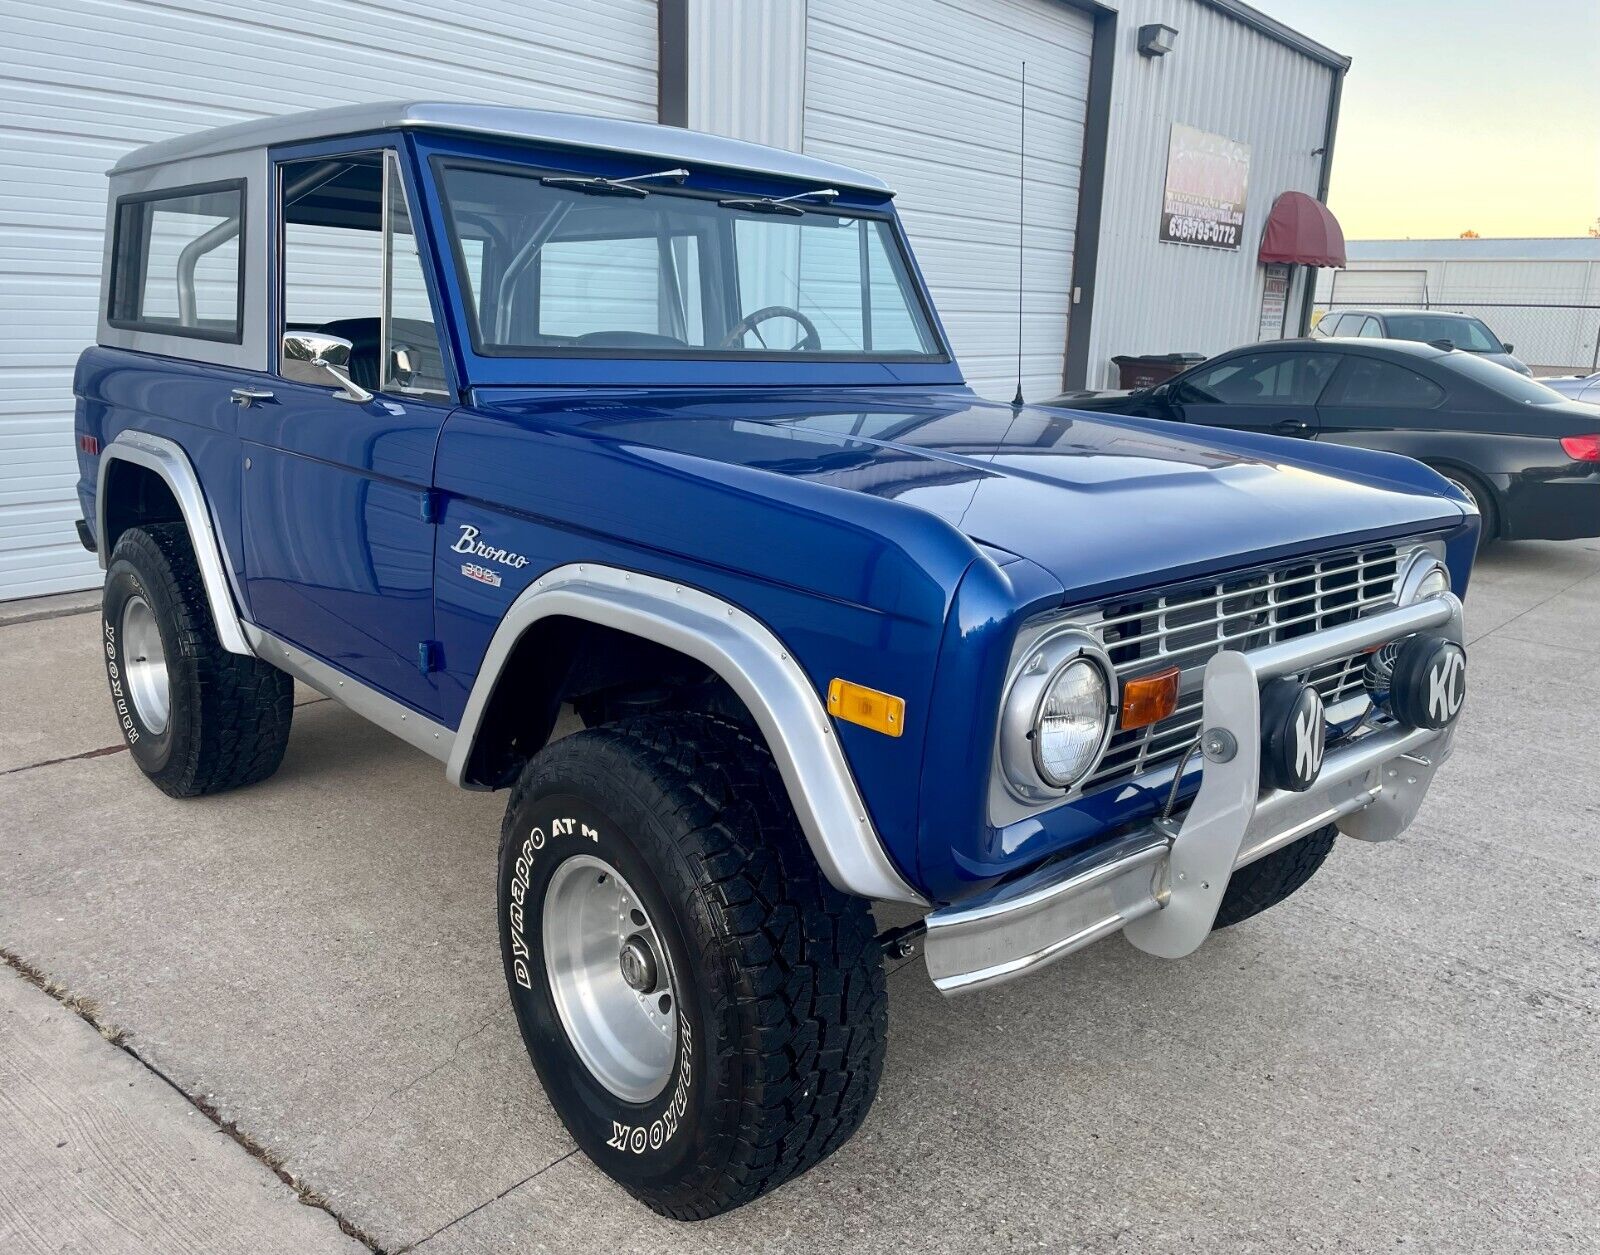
(1161, 886)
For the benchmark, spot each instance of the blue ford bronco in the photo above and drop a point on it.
(468, 416)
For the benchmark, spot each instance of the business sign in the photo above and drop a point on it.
(1207, 176)
(1274, 302)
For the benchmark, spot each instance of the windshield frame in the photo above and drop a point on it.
(716, 187)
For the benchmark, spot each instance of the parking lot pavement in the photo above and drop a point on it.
(1401, 1056)
(98, 1153)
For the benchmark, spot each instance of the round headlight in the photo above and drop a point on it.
(1436, 581)
(1071, 723)
(1058, 716)
(1424, 576)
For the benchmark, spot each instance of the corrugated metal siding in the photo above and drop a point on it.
(927, 96)
(1222, 77)
(747, 70)
(87, 80)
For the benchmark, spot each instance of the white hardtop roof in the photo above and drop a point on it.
(569, 130)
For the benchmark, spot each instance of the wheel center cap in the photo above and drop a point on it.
(638, 964)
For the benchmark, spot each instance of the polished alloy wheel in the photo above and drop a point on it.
(1466, 488)
(144, 659)
(610, 978)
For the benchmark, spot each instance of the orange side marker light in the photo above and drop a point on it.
(855, 703)
(1149, 699)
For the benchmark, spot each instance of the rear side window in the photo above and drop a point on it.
(1366, 381)
(1276, 378)
(1328, 324)
(177, 263)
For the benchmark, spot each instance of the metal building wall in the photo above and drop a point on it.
(1222, 77)
(84, 81)
(746, 71)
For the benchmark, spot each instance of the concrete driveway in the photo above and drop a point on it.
(1404, 1055)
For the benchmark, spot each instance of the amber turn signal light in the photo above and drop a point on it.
(1149, 699)
(855, 703)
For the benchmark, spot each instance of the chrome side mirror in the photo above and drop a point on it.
(403, 362)
(311, 357)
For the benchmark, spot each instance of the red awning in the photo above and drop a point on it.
(1301, 230)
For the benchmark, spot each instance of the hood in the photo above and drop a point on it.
(1502, 359)
(1100, 501)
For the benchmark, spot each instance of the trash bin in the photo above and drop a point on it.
(1148, 369)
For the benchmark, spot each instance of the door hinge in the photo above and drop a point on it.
(430, 657)
(432, 505)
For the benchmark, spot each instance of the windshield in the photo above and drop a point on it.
(1464, 333)
(1504, 381)
(558, 265)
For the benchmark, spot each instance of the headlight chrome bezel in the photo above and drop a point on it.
(1420, 568)
(1024, 703)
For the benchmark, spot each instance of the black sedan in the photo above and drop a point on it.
(1527, 456)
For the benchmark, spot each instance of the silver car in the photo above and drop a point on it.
(1577, 387)
(1428, 326)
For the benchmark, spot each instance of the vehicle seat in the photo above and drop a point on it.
(364, 335)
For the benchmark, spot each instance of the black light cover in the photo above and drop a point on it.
(1429, 683)
(1294, 732)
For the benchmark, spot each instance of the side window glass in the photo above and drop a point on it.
(1371, 329)
(1368, 382)
(412, 359)
(333, 254)
(176, 265)
(352, 269)
(1260, 379)
(1328, 325)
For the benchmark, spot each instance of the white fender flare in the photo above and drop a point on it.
(758, 668)
(168, 460)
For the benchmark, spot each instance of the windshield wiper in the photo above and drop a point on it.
(595, 185)
(779, 204)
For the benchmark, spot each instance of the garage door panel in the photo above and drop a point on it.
(927, 96)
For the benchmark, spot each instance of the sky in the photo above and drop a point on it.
(1462, 115)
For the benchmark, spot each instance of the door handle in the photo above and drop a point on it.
(1292, 427)
(246, 397)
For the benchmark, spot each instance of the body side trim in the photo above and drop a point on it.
(754, 663)
(372, 705)
(168, 460)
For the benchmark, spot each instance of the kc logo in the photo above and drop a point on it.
(1310, 738)
(1446, 691)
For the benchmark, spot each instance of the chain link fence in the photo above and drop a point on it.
(1553, 339)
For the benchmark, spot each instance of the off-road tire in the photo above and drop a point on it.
(779, 978)
(229, 715)
(1268, 881)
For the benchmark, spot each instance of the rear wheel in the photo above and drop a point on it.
(197, 719)
(1268, 881)
(1476, 493)
(706, 1012)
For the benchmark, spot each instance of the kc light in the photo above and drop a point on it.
(1058, 717)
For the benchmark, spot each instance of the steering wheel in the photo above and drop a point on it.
(811, 342)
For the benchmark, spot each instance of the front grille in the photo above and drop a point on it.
(1187, 624)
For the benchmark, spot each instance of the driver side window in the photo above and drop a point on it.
(351, 269)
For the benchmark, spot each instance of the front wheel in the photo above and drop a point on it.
(706, 1013)
(1268, 881)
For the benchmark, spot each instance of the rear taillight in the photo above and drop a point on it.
(90, 445)
(1582, 448)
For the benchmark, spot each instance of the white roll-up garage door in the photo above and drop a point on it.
(84, 81)
(927, 96)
